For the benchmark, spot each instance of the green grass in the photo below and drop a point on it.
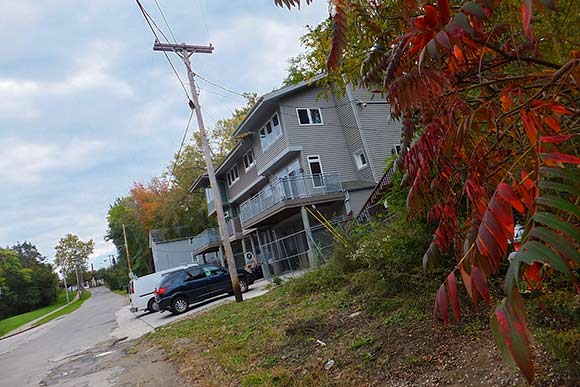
(14, 322)
(66, 310)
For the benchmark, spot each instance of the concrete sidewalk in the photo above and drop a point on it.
(32, 324)
(132, 326)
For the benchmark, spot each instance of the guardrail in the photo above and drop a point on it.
(206, 237)
(290, 187)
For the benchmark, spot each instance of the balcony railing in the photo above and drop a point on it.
(210, 207)
(205, 238)
(288, 188)
(233, 226)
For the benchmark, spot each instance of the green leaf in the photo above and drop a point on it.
(535, 251)
(461, 20)
(559, 187)
(474, 9)
(564, 173)
(559, 203)
(557, 242)
(557, 224)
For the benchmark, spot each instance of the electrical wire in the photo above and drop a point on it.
(151, 23)
(165, 20)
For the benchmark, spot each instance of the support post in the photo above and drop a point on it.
(308, 232)
(185, 51)
(65, 285)
(127, 250)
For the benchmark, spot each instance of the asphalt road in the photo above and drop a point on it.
(25, 359)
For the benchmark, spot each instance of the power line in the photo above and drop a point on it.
(165, 20)
(220, 86)
(150, 21)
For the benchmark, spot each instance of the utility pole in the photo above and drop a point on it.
(127, 250)
(184, 51)
(65, 285)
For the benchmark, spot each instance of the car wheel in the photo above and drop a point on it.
(150, 305)
(243, 285)
(179, 305)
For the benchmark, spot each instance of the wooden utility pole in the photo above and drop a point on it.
(127, 250)
(184, 51)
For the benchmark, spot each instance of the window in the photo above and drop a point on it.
(360, 158)
(208, 195)
(249, 160)
(316, 171)
(310, 116)
(233, 175)
(270, 132)
(194, 274)
(213, 270)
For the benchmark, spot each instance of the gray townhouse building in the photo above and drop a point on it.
(303, 155)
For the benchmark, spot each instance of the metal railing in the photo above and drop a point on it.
(210, 207)
(204, 238)
(233, 226)
(290, 187)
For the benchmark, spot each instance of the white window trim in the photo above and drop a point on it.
(253, 163)
(209, 198)
(321, 170)
(357, 160)
(309, 116)
(228, 176)
(274, 136)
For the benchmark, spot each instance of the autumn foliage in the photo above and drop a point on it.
(491, 140)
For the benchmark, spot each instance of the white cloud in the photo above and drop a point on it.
(92, 72)
(29, 162)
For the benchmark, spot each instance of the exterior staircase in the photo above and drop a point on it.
(373, 205)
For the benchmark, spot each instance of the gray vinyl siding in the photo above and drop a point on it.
(264, 157)
(327, 140)
(352, 135)
(246, 178)
(381, 132)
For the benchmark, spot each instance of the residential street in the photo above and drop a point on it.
(26, 358)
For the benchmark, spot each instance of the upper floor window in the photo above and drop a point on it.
(249, 161)
(360, 158)
(270, 132)
(310, 116)
(208, 195)
(233, 175)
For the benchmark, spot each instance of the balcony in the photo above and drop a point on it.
(208, 239)
(234, 228)
(291, 191)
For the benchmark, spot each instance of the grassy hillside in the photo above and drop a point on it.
(365, 319)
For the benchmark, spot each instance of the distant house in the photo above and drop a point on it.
(298, 151)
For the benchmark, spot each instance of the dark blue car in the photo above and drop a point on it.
(183, 287)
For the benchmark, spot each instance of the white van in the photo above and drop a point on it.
(142, 289)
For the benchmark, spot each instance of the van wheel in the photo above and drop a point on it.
(243, 285)
(179, 305)
(150, 305)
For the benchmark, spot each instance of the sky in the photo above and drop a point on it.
(87, 108)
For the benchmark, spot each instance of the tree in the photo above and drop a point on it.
(45, 280)
(72, 253)
(490, 113)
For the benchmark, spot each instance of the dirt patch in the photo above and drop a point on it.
(116, 364)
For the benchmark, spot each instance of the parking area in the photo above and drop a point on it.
(133, 325)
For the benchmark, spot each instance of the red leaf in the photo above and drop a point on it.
(558, 139)
(430, 16)
(442, 304)
(507, 193)
(453, 295)
(466, 280)
(480, 283)
(531, 130)
(552, 123)
(338, 35)
(561, 157)
(527, 17)
(560, 109)
(444, 11)
(512, 336)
